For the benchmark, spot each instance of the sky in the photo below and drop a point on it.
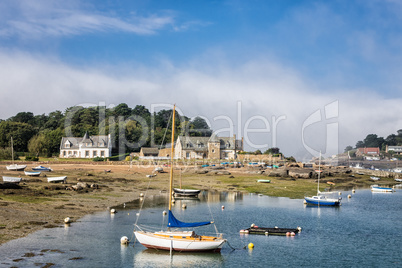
(304, 76)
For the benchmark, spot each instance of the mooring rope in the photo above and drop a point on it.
(233, 247)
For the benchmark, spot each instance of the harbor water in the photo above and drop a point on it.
(366, 231)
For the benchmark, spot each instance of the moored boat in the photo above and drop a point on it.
(15, 167)
(375, 178)
(270, 230)
(376, 188)
(178, 240)
(62, 179)
(12, 179)
(319, 199)
(32, 173)
(264, 181)
(41, 168)
(186, 192)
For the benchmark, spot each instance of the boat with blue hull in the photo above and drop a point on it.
(320, 199)
(380, 189)
(41, 168)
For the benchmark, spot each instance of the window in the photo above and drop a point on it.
(94, 153)
(103, 153)
(64, 153)
(86, 153)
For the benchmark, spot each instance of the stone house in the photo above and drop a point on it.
(86, 147)
(149, 152)
(207, 147)
(394, 149)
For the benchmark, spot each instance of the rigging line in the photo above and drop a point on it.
(166, 129)
(213, 220)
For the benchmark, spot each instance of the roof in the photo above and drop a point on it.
(227, 143)
(87, 141)
(194, 143)
(369, 150)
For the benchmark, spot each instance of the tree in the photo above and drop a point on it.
(37, 145)
(23, 117)
(199, 127)
(258, 152)
(273, 150)
(372, 140)
(360, 144)
(348, 148)
(21, 133)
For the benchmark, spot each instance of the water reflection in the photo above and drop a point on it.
(155, 258)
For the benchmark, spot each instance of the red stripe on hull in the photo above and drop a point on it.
(185, 249)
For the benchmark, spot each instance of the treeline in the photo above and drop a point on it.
(130, 128)
(372, 140)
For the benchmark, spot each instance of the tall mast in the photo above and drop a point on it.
(319, 174)
(12, 151)
(171, 161)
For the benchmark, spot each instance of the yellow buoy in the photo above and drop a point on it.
(250, 245)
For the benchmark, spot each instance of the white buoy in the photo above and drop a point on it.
(252, 225)
(124, 240)
(173, 201)
(292, 234)
(141, 194)
(349, 196)
(266, 233)
(353, 190)
(340, 193)
(223, 207)
(67, 220)
(113, 211)
(164, 212)
(184, 206)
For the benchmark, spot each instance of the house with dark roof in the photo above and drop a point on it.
(86, 147)
(394, 149)
(149, 152)
(207, 147)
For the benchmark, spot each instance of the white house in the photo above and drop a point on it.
(86, 147)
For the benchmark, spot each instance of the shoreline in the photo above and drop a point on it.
(39, 204)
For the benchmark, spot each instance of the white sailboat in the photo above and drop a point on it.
(174, 240)
(320, 199)
(14, 167)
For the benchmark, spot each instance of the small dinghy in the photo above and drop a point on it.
(62, 179)
(32, 173)
(12, 179)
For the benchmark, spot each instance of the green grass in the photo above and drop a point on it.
(25, 199)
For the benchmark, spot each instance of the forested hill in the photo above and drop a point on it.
(372, 140)
(135, 127)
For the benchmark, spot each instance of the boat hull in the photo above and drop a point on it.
(57, 179)
(41, 168)
(322, 201)
(186, 192)
(381, 189)
(12, 179)
(16, 167)
(188, 244)
(32, 173)
(270, 231)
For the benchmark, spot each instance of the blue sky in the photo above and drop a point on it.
(239, 64)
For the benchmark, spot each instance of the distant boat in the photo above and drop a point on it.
(321, 200)
(12, 179)
(186, 192)
(376, 188)
(398, 170)
(62, 179)
(32, 173)
(398, 180)
(14, 167)
(270, 231)
(264, 181)
(42, 168)
(375, 178)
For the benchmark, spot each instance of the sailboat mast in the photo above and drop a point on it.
(171, 161)
(12, 151)
(319, 174)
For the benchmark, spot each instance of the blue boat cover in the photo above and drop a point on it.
(173, 222)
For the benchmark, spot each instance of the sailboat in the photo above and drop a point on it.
(174, 240)
(14, 167)
(320, 199)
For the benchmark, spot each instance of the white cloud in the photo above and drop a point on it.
(35, 19)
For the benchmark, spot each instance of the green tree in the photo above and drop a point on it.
(348, 148)
(273, 150)
(21, 133)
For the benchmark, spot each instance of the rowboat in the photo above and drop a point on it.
(185, 192)
(12, 179)
(264, 181)
(376, 188)
(32, 173)
(62, 179)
